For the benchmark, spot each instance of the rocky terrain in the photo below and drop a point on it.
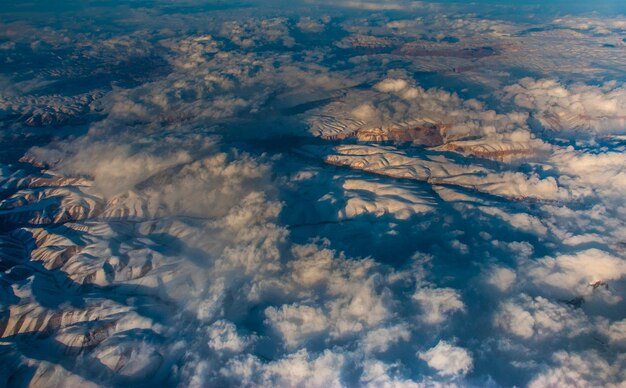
(347, 193)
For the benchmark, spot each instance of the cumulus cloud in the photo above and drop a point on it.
(447, 359)
(385, 5)
(587, 368)
(378, 374)
(439, 26)
(380, 340)
(308, 24)
(399, 101)
(117, 168)
(296, 369)
(575, 274)
(364, 197)
(539, 319)
(438, 303)
(364, 112)
(521, 221)
(500, 277)
(295, 323)
(581, 171)
(593, 24)
(391, 85)
(158, 175)
(578, 106)
(396, 109)
(254, 32)
(223, 336)
(616, 332)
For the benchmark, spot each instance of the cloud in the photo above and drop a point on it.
(378, 374)
(395, 109)
(437, 303)
(616, 332)
(223, 336)
(117, 168)
(193, 52)
(159, 238)
(391, 85)
(501, 278)
(539, 319)
(308, 24)
(380, 340)
(296, 369)
(447, 359)
(364, 197)
(582, 170)
(385, 5)
(577, 106)
(364, 112)
(586, 368)
(154, 175)
(256, 32)
(437, 26)
(596, 25)
(521, 221)
(575, 274)
(296, 323)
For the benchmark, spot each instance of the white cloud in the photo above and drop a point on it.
(258, 31)
(539, 319)
(584, 369)
(500, 277)
(378, 374)
(391, 85)
(521, 221)
(574, 274)
(399, 104)
(308, 24)
(223, 336)
(296, 369)
(364, 112)
(380, 340)
(447, 359)
(596, 25)
(384, 5)
(297, 323)
(576, 106)
(360, 306)
(591, 174)
(365, 197)
(437, 303)
(616, 332)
